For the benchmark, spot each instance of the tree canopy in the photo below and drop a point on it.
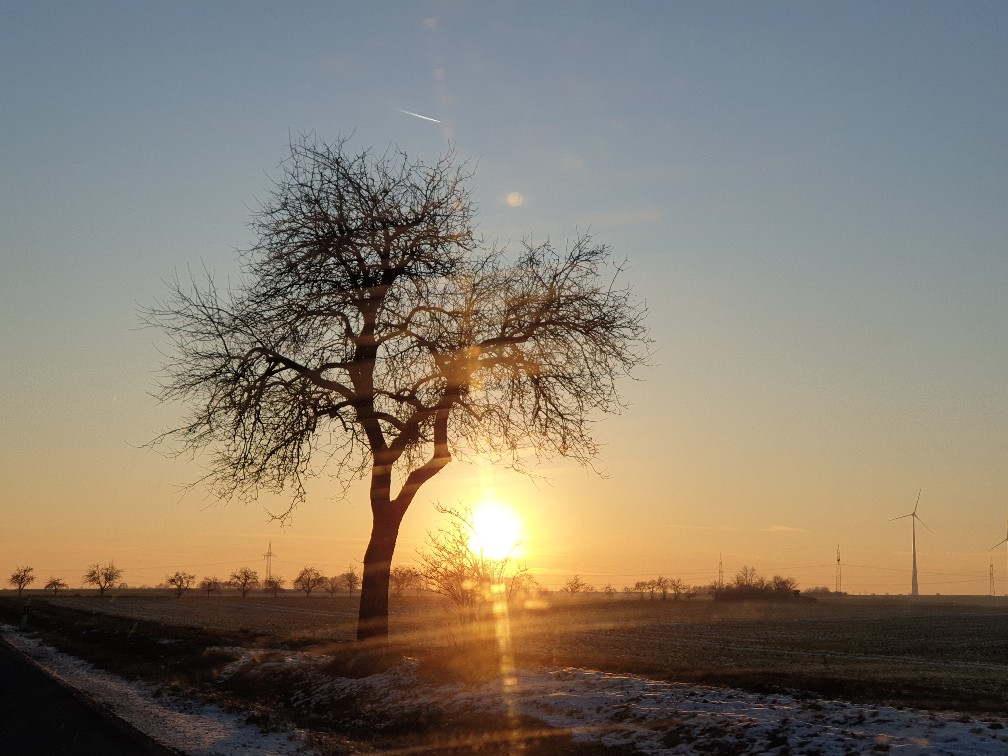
(375, 335)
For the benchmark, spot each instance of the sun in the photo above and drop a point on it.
(496, 530)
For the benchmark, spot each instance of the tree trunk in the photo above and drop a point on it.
(372, 622)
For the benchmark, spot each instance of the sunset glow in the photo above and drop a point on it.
(496, 530)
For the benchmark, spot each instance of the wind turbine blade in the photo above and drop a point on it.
(1005, 540)
(900, 517)
(922, 523)
(918, 501)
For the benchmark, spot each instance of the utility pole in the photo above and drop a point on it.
(268, 556)
(720, 573)
(839, 577)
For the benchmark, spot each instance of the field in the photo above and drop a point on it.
(941, 654)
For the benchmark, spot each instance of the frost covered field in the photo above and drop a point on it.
(813, 679)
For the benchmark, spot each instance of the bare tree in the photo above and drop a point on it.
(609, 591)
(522, 583)
(783, 585)
(210, 585)
(574, 585)
(55, 584)
(273, 584)
(332, 584)
(102, 576)
(676, 586)
(245, 579)
(451, 568)
(350, 580)
(642, 587)
(404, 577)
(663, 584)
(749, 578)
(180, 582)
(308, 580)
(21, 578)
(374, 329)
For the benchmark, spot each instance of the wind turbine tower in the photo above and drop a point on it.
(914, 519)
(992, 563)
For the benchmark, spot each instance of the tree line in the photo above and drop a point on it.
(101, 576)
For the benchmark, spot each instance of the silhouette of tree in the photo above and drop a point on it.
(21, 578)
(180, 582)
(522, 583)
(373, 327)
(332, 584)
(663, 584)
(574, 585)
(350, 580)
(102, 576)
(609, 590)
(449, 567)
(308, 580)
(404, 577)
(245, 579)
(210, 585)
(273, 585)
(55, 584)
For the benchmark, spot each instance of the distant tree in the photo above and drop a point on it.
(822, 591)
(373, 325)
(690, 592)
(642, 587)
(662, 584)
(522, 583)
(652, 587)
(748, 578)
(404, 577)
(783, 585)
(308, 580)
(22, 577)
(273, 584)
(245, 579)
(676, 587)
(331, 585)
(55, 584)
(609, 591)
(452, 569)
(574, 586)
(750, 584)
(102, 576)
(210, 585)
(180, 582)
(350, 580)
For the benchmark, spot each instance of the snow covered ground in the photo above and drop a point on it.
(651, 716)
(183, 724)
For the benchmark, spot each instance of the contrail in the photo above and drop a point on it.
(417, 115)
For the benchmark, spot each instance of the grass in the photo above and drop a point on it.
(946, 653)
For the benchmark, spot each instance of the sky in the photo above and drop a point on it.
(811, 197)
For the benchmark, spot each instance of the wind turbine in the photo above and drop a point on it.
(914, 519)
(1000, 542)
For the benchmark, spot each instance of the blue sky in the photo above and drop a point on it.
(811, 197)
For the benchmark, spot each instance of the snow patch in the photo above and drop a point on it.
(651, 716)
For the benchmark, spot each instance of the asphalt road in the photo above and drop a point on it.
(40, 716)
